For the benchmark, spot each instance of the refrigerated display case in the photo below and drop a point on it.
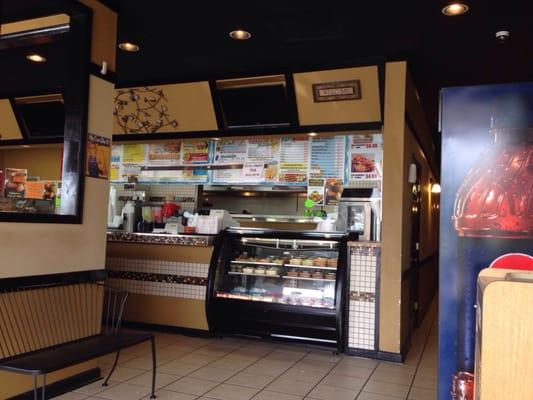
(278, 284)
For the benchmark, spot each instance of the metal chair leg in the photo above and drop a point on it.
(35, 387)
(112, 369)
(44, 387)
(153, 368)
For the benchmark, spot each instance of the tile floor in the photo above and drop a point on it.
(238, 369)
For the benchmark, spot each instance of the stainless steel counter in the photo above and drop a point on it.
(273, 218)
(161, 239)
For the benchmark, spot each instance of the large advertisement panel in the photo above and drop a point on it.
(486, 209)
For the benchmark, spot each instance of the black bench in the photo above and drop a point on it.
(46, 328)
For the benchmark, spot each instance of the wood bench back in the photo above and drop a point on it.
(38, 317)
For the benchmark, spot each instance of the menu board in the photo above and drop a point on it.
(338, 161)
(195, 152)
(293, 160)
(250, 161)
(168, 153)
(15, 182)
(365, 160)
(229, 151)
(327, 157)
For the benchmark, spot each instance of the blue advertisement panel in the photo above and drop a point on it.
(486, 211)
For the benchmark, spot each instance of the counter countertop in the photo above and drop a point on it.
(161, 238)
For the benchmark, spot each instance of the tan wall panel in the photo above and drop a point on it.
(366, 109)
(9, 128)
(14, 384)
(507, 341)
(393, 184)
(189, 104)
(34, 249)
(103, 35)
(196, 254)
(186, 313)
(44, 162)
(34, 23)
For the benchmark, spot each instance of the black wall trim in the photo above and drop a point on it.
(428, 261)
(96, 275)
(110, 76)
(111, 4)
(412, 127)
(63, 386)
(251, 132)
(167, 329)
(366, 62)
(378, 355)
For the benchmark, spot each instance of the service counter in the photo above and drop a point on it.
(166, 276)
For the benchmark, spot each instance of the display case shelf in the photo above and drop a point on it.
(309, 267)
(261, 275)
(256, 263)
(309, 279)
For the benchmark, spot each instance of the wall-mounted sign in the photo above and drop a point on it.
(337, 91)
(98, 156)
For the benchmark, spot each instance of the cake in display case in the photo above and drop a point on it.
(278, 284)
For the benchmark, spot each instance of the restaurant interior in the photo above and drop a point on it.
(265, 201)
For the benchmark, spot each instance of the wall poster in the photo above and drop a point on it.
(98, 156)
(486, 208)
(365, 156)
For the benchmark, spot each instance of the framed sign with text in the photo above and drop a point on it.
(337, 91)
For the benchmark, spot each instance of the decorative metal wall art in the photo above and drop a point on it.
(142, 110)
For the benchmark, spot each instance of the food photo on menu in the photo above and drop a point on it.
(363, 162)
(15, 182)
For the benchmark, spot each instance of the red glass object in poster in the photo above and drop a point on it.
(516, 261)
(463, 386)
(496, 197)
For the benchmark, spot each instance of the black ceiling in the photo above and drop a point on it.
(186, 43)
(189, 40)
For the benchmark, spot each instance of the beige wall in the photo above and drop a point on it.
(366, 109)
(9, 128)
(34, 249)
(44, 162)
(189, 104)
(394, 178)
(103, 34)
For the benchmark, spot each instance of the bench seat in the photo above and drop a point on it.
(54, 358)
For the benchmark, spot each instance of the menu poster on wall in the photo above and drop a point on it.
(365, 158)
(195, 152)
(133, 153)
(168, 153)
(15, 182)
(129, 170)
(294, 158)
(41, 190)
(253, 172)
(228, 151)
(98, 155)
(327, 157)
(315, 191)
(262, 149)
(334, 189)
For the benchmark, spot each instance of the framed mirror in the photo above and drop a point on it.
(44, 59)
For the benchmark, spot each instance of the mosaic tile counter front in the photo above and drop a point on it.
(158, 278)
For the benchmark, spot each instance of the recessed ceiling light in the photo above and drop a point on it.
(36, 58)
(240, 34)
(313, 134)
(128, 46)
(455, 8)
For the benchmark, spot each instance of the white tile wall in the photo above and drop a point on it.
(362, 306)
(157, 266)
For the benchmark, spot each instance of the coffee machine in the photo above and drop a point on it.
(360, 212)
